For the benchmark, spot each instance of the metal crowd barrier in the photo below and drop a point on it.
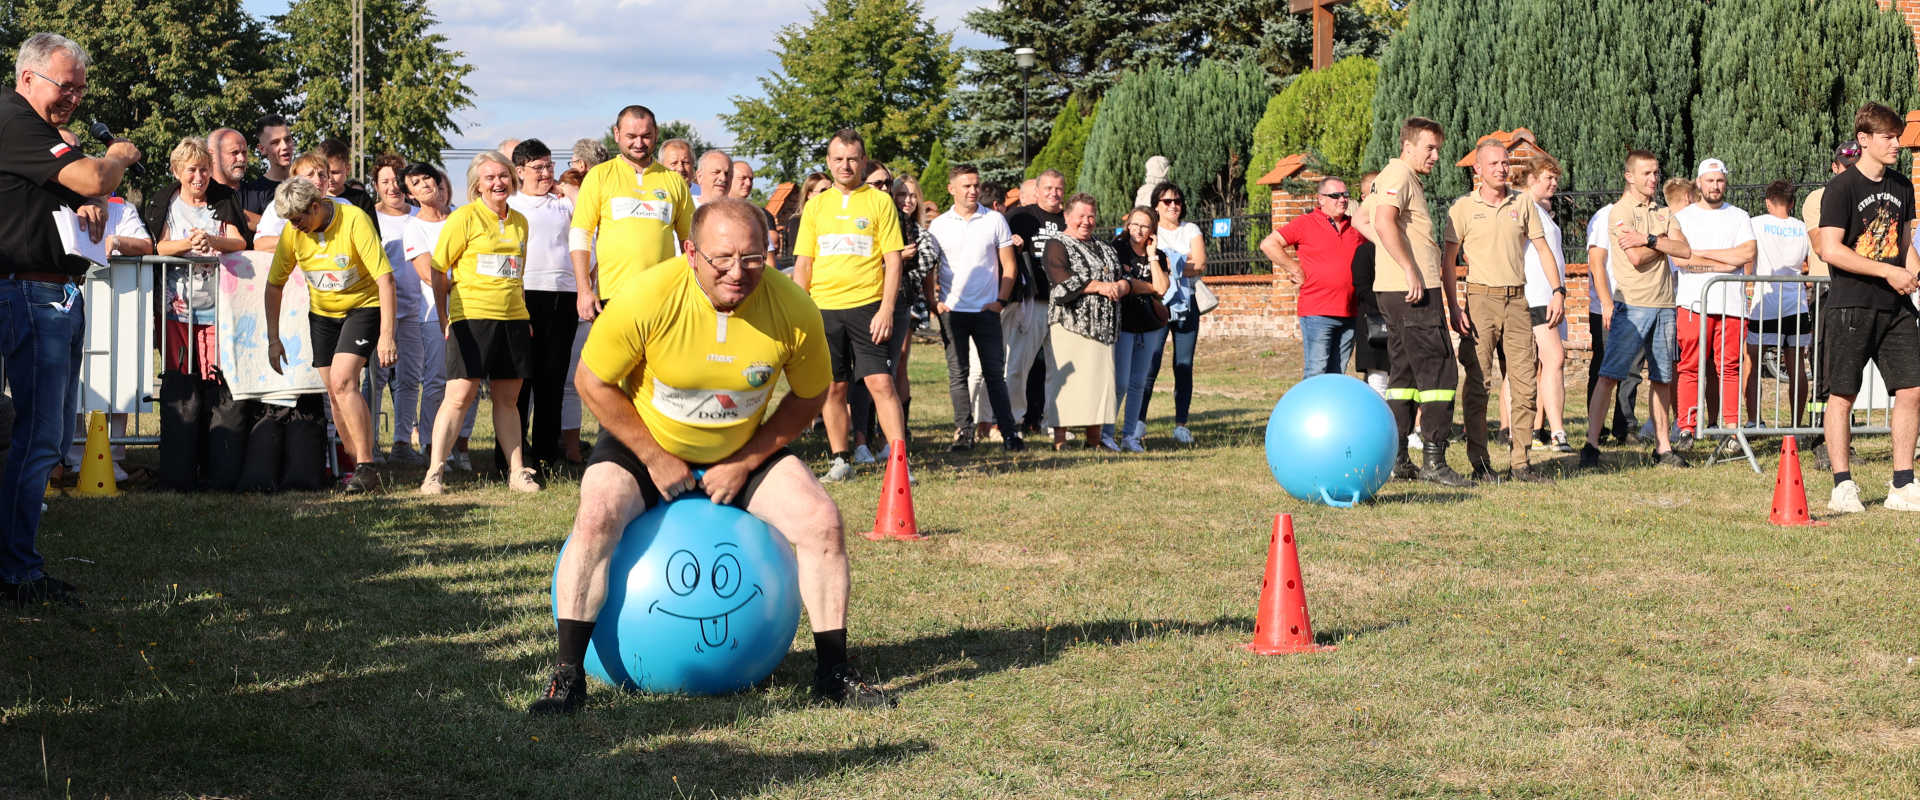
(1782, 403)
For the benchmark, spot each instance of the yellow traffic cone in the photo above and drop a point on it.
(96, 469)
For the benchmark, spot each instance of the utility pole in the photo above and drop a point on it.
(358, 143)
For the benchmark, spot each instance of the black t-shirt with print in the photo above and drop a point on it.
(1034, 226)
(1873, 216)
(31, 157)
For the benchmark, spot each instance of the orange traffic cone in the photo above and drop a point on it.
(1789, 493)
(1282, 625)
(895, 520)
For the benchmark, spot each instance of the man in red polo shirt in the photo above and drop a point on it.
(1325, 240)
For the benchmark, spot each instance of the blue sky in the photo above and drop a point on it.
(559, 70)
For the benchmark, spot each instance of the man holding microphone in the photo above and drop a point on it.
(40, 291)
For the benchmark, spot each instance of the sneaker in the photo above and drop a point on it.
(523, 481)
(566, 691)
(433, 484)
(363, 479)
(838, 471)
(1182, 435)
(1107, 443)
(1846, 498)
(1684, 441)
(44, 590)
(1484, 473)
(884, 452)
(460, 460)
(1905, 498)
(861, 455)
(1560, 444)
(962, 442)
(843, 687)
(1014, 445)
(1541, 441)
(1670, 458)
(1589, 456)
(1132, 445)
(403, 453)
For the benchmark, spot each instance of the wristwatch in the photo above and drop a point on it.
(1560, 290)
(1005, 300)
(1652, 240)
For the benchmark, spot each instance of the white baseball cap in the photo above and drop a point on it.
(1713, 165)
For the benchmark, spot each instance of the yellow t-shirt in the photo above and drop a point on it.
(700, 379)
(847, 235)
(339, 263)
(636, 216)
(484, 257)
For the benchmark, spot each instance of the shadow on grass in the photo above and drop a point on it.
(718, 769)
(1420, 497)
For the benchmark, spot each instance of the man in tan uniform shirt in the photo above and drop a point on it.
(1640, 238)
(1407, 275)
(1493, 224)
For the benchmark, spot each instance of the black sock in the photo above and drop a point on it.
(1902, 477)
(1846, 475)
(830, 650)
(574, 638)
(844, 455)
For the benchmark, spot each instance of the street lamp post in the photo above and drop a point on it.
(1024, 58)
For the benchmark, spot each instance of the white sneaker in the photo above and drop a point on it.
(838, 471)
(1846, 499)
(1182, 435)
(1905, 498)
(1108, 443)
(1132, 445)
(861, 455)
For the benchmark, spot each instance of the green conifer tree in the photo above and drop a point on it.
(1066, 146)
(933, 178)
(1323, 113)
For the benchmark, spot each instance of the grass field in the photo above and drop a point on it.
(1072, 630)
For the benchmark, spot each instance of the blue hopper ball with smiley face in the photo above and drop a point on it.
(1332, 440)
(701, 599)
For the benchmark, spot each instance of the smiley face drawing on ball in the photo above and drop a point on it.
(708, 609)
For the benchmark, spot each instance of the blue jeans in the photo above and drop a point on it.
(1328, 342)
(1133, 355)
(1641, 330)
(41, 329)
(1185, 333)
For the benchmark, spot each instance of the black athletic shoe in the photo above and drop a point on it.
(1484, 473)
(1670, 458)
(962, 442)
(1589, 456)
(1015, 444)
(566, 691)
(843, 687)
(44, 590)
(1684, 441)
(363, 480)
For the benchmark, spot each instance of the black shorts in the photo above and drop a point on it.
(1537, 315)
(1796, 325)
(490, 349)
(609, 449)
(353, 335)
(851, 346)
(1891, 339)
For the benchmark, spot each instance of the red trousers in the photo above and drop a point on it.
(1725, 338)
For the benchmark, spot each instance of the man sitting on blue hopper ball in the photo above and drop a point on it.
(677, 370)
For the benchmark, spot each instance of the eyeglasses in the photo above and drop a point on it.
(70, 90)
(752, 263)
(1334, 195)
(1172, 201)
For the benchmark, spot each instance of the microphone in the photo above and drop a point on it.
(105, 135)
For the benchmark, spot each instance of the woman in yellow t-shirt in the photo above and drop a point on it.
(350, 307)
(476, 280)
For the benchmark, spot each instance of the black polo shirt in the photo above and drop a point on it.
(31, 157)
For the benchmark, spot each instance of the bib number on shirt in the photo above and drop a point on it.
(333, 274)
(845, 244)
(636, 208)
(495, 265)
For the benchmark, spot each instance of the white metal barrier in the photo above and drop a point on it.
(1787, 401)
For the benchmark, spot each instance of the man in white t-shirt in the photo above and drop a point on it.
(977, 269)
(1777, 319)
(1722, 238)
(552, 298)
